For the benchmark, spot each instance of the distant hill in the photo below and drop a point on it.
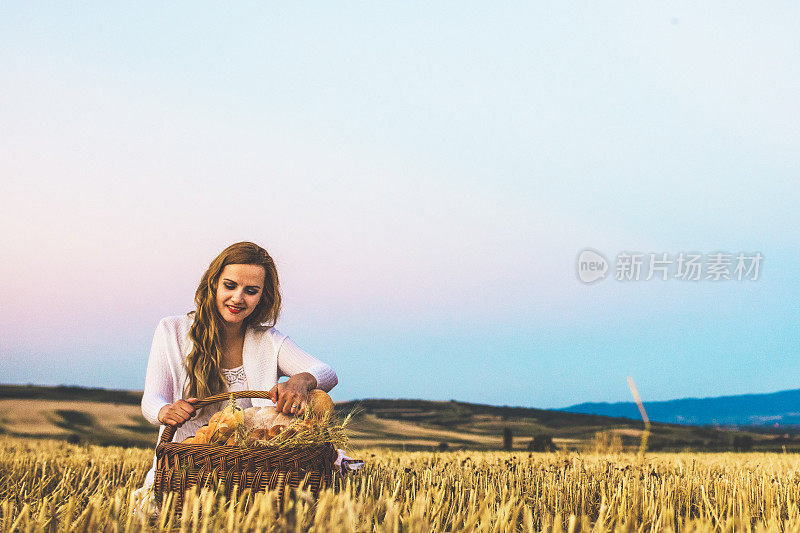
(781, 408)
(127, 397)
(114, 417)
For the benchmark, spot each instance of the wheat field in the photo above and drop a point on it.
(48, 485)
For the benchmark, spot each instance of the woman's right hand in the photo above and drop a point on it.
(178, 413)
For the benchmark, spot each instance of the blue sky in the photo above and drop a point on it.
(424, 175)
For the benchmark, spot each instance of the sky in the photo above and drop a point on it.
(425, 176)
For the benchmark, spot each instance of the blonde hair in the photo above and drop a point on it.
(204, 362)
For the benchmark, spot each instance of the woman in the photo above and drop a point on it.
(229, 343)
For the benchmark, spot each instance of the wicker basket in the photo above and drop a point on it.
(180, 467)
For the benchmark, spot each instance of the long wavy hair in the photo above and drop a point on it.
(204, 362)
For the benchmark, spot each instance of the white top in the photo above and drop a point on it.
(237, 380)
(267, 355)
(236, 377)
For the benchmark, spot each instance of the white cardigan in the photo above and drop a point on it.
(267, 355)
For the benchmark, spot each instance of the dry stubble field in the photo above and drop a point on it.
(48, 485)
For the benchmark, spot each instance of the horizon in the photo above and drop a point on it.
(631, 401)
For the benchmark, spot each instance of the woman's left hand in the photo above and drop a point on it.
(290, 396)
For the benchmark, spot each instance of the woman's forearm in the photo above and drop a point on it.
(158, 380)
(292, 361)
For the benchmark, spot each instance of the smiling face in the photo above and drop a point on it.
(238, 291)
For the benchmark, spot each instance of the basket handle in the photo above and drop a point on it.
(169, 430)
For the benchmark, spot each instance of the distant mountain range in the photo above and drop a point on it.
(777, 408)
